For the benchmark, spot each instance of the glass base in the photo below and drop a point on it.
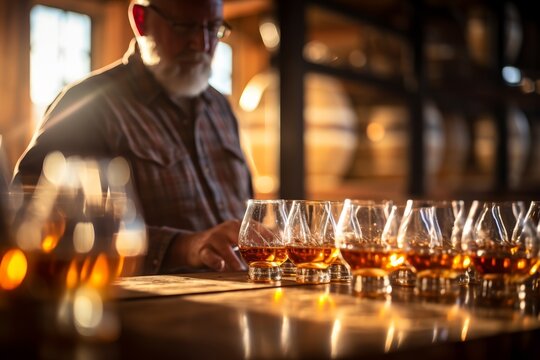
(312, 276)
(435, 286)
(288, 268)
(372, 285)
(496, 287)
(472, 276)
(339, 273)
(264, 274)
(403, 277)
(462, 279)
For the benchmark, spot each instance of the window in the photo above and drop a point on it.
(222, 69)
(60, 46)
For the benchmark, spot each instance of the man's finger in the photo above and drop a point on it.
(227, 253)
(211, 259)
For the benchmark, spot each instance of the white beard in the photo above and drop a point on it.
(179, 81)
(182, 81)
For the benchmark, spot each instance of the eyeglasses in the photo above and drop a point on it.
(219, 29)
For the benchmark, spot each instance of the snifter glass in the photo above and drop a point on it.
(310, 242)
(402, 273)
(288, 268)
(13, 262)
(80, 228)
(339, 271)
(526, 232)
(500, 260)
(261, 240)
(426, 250)
(359, 238)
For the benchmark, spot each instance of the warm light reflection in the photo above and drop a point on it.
(252, 94)
(90, 179)
(52, 231)
(400, 338)
(325, 301)
(269, 34)
(375, 131)
(131, 241)
(278, 295)
(466, 261)
(389, 337)
(246, 335)
(527, 85)
(83, 237)
(72, 278)
(396, 260)
(465, 328)
(265, 184)
(147, 46)
(13, 269)
(120, 266)
(100, 276)
(435, 334)
(317, 52)
(118, 172)
(285, 335)
(357, 58)
(454, 312)
(386, 308)
(522, 305)
(87, 310)
(85, 269)
(54, 167)
(534, 268)
(334, 339)
(514, 250)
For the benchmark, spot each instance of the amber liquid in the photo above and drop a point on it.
(264, 256)
(50, 275)
(312, 257)
(423, 262)
(461, 262)
(512, 266)
(53, 230)
(338, 260)
(360, 260)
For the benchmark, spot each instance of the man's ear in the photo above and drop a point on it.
(136, 18)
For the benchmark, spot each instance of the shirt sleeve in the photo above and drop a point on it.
(160, 239)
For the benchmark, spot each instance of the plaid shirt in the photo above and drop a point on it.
(190, 173)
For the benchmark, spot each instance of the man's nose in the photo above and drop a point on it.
(199, 39)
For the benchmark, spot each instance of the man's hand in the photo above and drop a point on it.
(212, 248)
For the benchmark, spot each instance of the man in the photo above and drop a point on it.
(155, 108)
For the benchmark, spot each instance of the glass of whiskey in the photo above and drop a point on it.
(402, 274)
(261, 240)
(429, 252)
(339, 270)
(502, 261)
(360, 241)
(309, 237)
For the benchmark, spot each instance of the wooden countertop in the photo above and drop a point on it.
(229, 317)
(224, 316)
